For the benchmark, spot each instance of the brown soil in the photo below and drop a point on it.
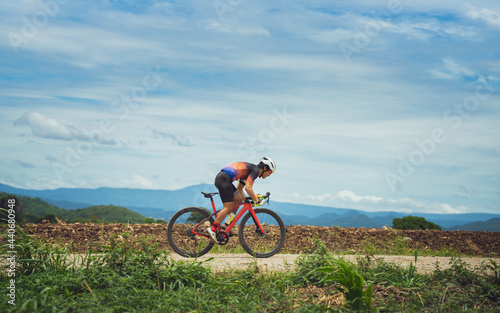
(300, 239)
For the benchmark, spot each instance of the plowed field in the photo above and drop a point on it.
(300, 239)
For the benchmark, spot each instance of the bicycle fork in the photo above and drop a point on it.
(259, 230)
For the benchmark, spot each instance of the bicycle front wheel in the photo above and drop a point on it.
(258, 244)
(180, 236)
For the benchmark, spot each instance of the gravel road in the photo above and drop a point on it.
(220, 262)
(224, 262)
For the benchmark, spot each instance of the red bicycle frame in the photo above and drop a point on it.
(247, 206)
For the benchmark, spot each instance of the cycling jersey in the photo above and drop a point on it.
(243, 171)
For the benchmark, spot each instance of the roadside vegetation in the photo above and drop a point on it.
(133, 275)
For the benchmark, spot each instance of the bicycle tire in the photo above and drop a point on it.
(178, 233)
(267, 245)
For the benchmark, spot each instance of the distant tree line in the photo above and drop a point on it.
(35, 210)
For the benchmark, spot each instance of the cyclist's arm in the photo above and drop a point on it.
(249, 190)
(252, 176)
(240, 187)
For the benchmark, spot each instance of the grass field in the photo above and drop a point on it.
(145, 279)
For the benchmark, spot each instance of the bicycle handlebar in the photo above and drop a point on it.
(247, 199)
(266, 196)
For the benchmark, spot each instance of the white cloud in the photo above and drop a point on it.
(141, 182)
(489, 16)
(451, 69)
(348, 199)
(447, 209)
(411, 29)
(462, 31)
(237, 29)
(46, 127)
(152, 134)
(349, 196)
(363, 30)
(334, 36)
(323, 198)
(89, 46)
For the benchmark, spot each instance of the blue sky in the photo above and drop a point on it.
(371, 105)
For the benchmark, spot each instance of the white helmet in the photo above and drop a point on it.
(270, 163)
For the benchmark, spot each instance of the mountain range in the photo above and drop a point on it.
(164, 203)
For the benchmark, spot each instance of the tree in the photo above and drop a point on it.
(413, 223)
(50, 217)
(195, 218)
(31, 218)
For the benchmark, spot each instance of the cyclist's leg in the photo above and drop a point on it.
(226, 191)
(239, 197)
(227, 208)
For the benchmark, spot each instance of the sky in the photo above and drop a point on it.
(371, 105)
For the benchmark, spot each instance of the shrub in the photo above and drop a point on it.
(36, 255)
(413, 223)
(320, 269)
(353, 284)
(308, 263)
(149, 220)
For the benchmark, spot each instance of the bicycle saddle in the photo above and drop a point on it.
(209, 194)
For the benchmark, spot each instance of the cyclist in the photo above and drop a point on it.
(245, 173)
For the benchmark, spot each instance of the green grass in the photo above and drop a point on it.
(227, 249)
(396, 245)
(146, 279)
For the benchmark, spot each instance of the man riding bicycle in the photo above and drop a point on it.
(246, 173)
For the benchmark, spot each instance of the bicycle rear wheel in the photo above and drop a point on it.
(258, 244)
(179, 234)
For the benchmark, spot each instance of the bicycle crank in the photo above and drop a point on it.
(222, 238)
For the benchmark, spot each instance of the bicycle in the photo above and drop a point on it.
(261, 231)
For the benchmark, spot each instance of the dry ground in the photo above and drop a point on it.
(300, 239)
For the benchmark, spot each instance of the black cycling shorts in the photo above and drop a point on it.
(227, 191)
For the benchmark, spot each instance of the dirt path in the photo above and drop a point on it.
(282, 262)
(220, 262)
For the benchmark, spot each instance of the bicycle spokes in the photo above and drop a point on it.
(184, 232)
(263, 241)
